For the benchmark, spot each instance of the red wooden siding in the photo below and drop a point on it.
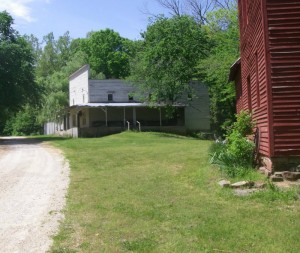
(284, 44)
(254, 79)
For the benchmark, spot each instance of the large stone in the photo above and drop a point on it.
(263, 170)
(292, 176)
(224, 183)
(242, 184)
(278, 174)
(276, 178)
(259, 185)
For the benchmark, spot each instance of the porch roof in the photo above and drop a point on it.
(93, 105)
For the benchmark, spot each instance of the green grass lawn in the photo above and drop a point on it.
(151, 192)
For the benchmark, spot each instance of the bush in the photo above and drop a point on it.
(234, 156)
(23, 123)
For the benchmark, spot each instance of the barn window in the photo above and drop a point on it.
(257, 80)
(249, 93)
(110, 97)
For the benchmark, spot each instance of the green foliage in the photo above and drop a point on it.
(273, 193)
(166, 59)
(55, 54)
(223, 32)
(235, 155)
(17, 82)
(56, 86)
(107, 53)
(23, 123)
(243, 124)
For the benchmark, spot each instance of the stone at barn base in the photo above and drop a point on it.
(275, 178)
(259, 185)
(242, 184)
(224, 183)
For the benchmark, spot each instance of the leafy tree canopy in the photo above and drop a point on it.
(168, 56)
(107, 52)
(223, 32)
(17, 82)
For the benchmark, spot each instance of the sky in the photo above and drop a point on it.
(40, 17)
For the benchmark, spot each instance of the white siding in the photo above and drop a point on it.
(197, 116)
(78, 86)
(99, 90)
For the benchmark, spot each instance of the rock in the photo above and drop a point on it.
(288, 175)
(292, 176)
(244, 192)
(278, 174)
(263, 170)
(242, 184)
(298, 175)
(224, 183)
(276, 178)
(259, 185)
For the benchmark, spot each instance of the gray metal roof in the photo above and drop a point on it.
(91, 105)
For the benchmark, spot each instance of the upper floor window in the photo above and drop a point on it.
(110, 97)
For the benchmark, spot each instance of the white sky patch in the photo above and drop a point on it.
(19, 8)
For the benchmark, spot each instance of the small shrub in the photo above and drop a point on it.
(234, 155)
(243, 125)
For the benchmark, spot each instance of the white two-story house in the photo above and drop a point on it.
(101, 107)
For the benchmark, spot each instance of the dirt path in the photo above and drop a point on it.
(33, 183)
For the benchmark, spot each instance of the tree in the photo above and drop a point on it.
(24, 122)
(107, 53)
(55, 55)
(17, 82)
(223, 31)
(55, 97)
(168, 55)
(198, 9)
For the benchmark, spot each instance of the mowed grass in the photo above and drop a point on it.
(152, 192)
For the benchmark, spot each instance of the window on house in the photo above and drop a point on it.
(130, 97)
(83, 98)
(110, 97)
(249, 93)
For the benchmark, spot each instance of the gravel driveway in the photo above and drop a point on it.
(33, 181)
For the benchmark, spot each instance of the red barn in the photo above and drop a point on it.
(267, 77)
